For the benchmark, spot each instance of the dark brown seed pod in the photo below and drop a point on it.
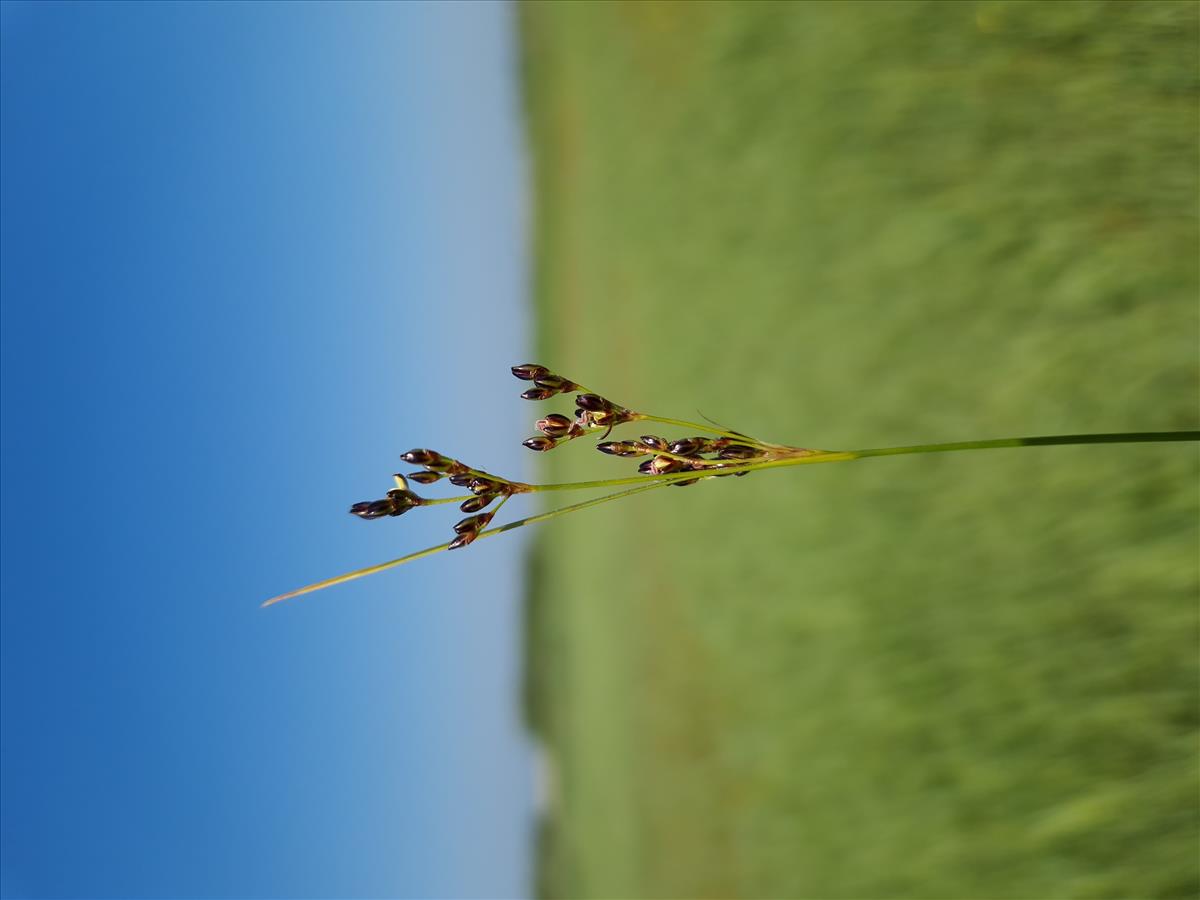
(475, 504)
(431, 460)
(372, 509)
(661, 465)
(461, 479)
(647, 467)
(462, 540)
(530, 371)
(740, 451)
(537, 393)
(555, 425)
(592, 403)
(552, 382)
(420, 457)
(485, 486)
(622, 448)
(473, 524)
(425, 477)
(540, 443)
(686, 446)
(654, 442)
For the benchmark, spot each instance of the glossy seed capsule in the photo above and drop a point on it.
(425, 477)
(530, 371)
(484, 486)
(555, 425)
(552, 382)
(475, 504)
(420, 457)
(685, 446)
(592, 403)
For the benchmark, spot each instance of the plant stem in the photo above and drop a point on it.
(435, 501)
(430, 551)
(1135, 437)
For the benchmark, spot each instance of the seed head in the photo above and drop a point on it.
(686, 446)
(530, 371)
(425, 477)
(461, 479)
(596, 419)
(555, 425)
(622, 448)
(592, 403)
(473, 524)
(537, 393)
(475, 504)
(485, 486)
(660, 465)
(462, 540)
(540, 443)
(431, 460)
(396, 503)
(420, 457)
(372, 509)
(654, 442)
(740, 451)
(555, 383)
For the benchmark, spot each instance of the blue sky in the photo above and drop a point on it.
(251, 254)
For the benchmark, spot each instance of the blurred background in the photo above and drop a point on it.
(862, 225)
(253, 252)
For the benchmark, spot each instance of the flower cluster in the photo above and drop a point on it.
(691, 454)
(594, 412)
(485, 489)
(729, 453)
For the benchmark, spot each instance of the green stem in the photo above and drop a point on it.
(436, 501)
(430, 551)
(1134, 437)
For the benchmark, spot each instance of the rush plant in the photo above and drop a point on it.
(716, 452)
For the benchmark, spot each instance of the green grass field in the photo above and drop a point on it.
(850, 225)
